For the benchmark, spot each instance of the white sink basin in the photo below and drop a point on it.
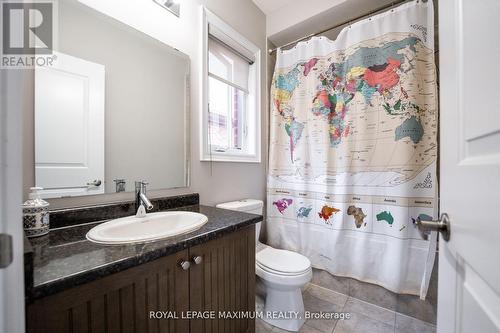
(154, 226)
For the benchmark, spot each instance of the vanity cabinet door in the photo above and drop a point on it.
(118, 303)
(224, 280)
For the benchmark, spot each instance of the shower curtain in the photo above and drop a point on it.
(353, 150)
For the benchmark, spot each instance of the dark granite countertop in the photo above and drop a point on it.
(65, 258)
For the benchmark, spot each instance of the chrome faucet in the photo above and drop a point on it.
(140, 197)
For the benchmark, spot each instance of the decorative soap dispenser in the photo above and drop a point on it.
(35, 214)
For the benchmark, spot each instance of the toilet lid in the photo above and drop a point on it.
(282, 261)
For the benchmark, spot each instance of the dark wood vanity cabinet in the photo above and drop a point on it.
(223, 282)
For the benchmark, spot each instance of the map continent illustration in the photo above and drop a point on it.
(366, 107)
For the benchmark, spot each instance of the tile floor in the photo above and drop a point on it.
(365, 317)
(409, 305)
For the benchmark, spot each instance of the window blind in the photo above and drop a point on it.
(218, 35)
(226, 63)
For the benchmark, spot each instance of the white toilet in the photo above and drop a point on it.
(283, 273)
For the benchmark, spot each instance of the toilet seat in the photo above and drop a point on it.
(273, 271)
(280, 281)
(282, 262)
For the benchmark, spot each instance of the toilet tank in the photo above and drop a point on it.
(251, 206)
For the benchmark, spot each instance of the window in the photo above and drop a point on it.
(231, 86)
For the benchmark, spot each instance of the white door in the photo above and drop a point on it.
(13, 85)
(469, 264)
(69, 127)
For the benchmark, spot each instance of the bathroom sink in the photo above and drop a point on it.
(152, 227)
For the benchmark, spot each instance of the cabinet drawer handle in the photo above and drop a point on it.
(197, 259)
(184, 264)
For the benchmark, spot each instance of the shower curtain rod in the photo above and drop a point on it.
(393, 4)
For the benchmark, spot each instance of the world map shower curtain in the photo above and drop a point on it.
(353, 149)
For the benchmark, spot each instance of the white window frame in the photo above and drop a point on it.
(253, 104)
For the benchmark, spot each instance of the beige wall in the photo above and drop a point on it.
(216, 182)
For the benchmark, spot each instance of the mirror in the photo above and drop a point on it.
(111, 110)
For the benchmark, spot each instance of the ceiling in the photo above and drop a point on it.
(288, 20)
(269, 6)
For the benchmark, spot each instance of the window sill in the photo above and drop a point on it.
(231, 158)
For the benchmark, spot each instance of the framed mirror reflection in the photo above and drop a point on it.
(113, 109)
